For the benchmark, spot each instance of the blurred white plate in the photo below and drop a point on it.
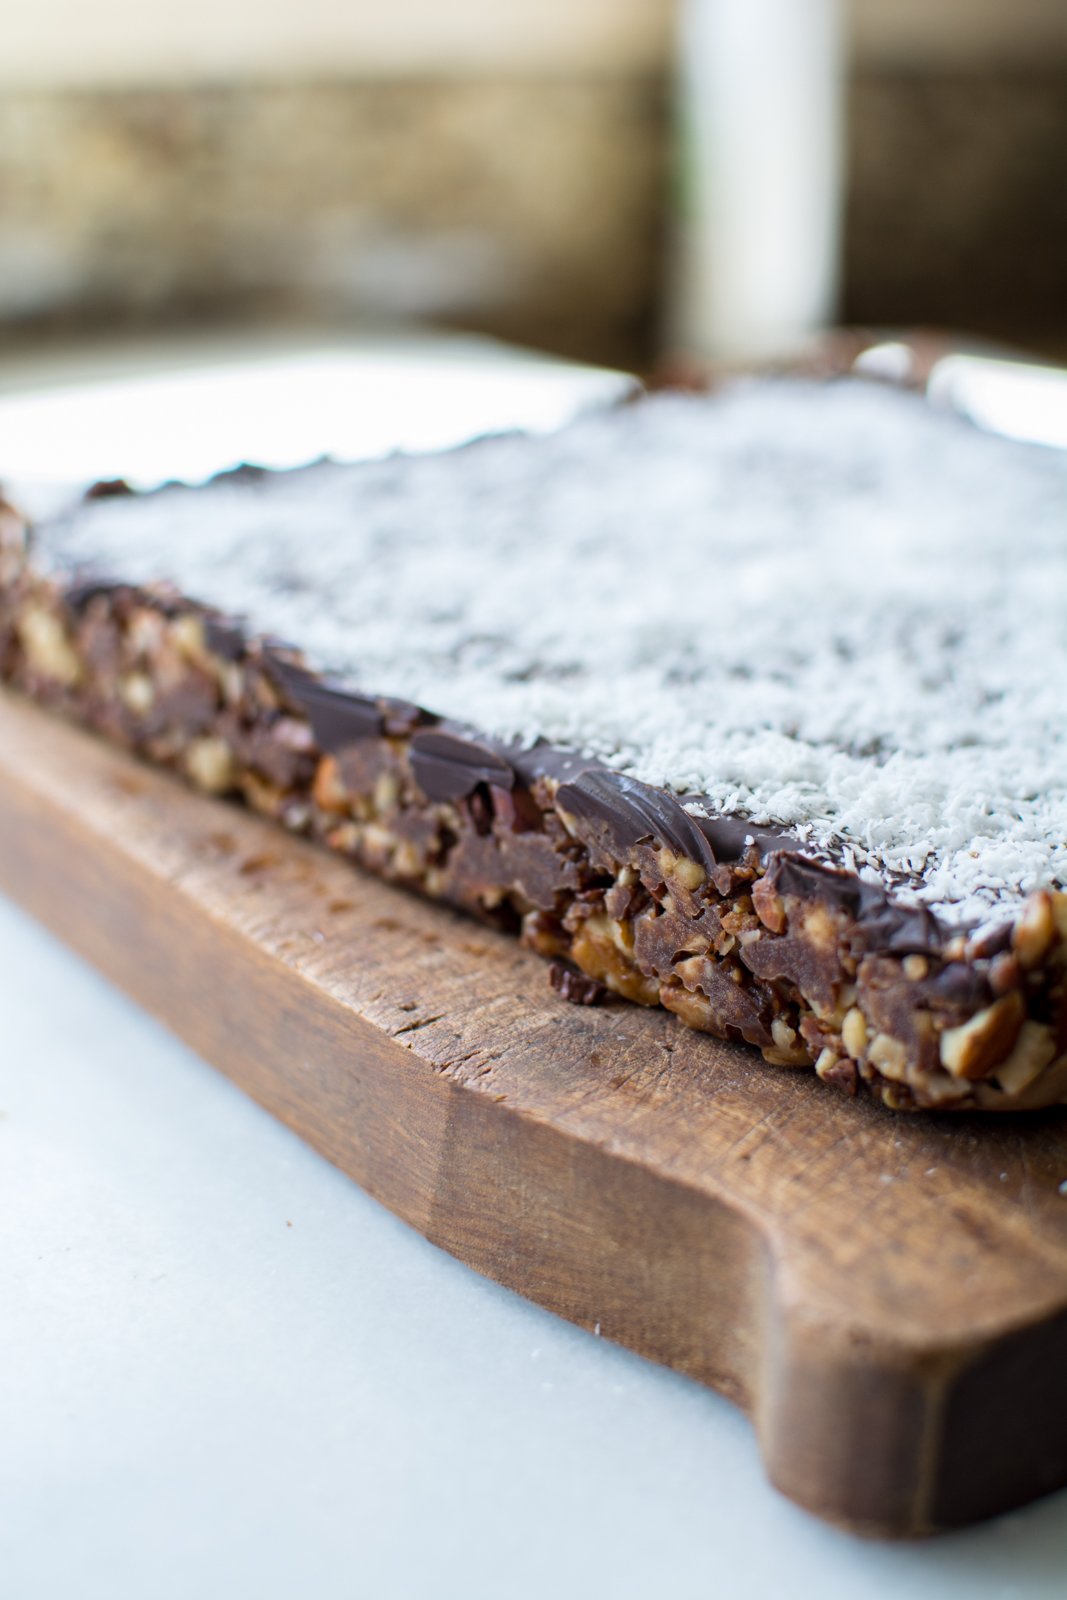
(278, 408)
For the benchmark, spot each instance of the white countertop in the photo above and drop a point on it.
(225, 1372)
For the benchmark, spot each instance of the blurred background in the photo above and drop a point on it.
(554, 173)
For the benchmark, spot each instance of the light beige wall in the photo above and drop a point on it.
(128, 42)
(137, 41)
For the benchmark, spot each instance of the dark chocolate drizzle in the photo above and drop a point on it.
(338, 715)
(244, 473)
(79, 592)
(886, 925)
(627, 812)
(904, 930)
(631, 812)
(450, 766)
(224, 636)
(108, 489)
(402, 717)
(730, 837)
(544, 760)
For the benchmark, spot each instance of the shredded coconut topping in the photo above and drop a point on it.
(821, 606)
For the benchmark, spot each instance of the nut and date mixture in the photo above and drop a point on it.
(732, 928)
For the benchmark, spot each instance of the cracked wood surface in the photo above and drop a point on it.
(886, 1295)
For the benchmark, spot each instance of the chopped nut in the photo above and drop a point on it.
(787, 1050)
(770, 907)
(407, 862)
(854, 1033)
(386, 791)
(263, 796)
(1035, 929)
(137, 693)
(694, 1008)
(147, 631)
(327, 791)
(1005, 973)
(1034, 1049)
(741, 916)
(48, 650)
(187, 636)
(345, 837)
(689, 874)
(231, 681)
(916, 968)
(435, 883)
(820, 927)
(925, 1089)
(783, 1035)
(209, 762)
(541, 932)
(691, 970)
(376, 846)
(597, 950)
(568, 819)
(888, 1055)
(837, 1071)
(974, 1048)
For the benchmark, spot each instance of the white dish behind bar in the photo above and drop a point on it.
(172, 412)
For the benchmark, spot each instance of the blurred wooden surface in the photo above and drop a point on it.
(886, 1296)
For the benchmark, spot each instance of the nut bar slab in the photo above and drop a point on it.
(749, 706)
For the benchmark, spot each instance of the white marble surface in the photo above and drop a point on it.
(225, 1372)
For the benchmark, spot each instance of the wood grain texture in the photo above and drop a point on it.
(886, 1295)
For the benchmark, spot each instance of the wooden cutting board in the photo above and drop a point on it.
(885, 1295)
